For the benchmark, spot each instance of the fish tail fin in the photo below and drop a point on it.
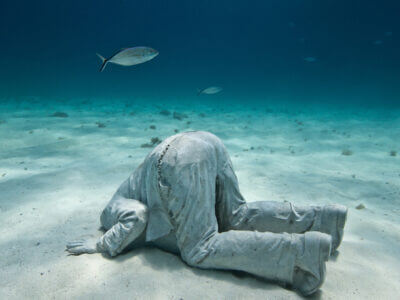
(199, 92)
(104, 62)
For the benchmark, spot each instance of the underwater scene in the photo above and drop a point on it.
(128, 127)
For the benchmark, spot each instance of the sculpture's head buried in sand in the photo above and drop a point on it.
(185, 198)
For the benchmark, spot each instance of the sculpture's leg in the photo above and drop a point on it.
(125, 221)
(234, 213)
(191, 206)
(285, 217)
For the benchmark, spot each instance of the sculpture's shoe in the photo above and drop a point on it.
(310, 269)
(333, 219)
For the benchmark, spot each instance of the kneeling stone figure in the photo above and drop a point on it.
(185, 198)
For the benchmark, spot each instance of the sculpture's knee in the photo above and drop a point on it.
(196, 256)
(191, 260)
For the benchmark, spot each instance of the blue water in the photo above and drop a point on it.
(255, 50)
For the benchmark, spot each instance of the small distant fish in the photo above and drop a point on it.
(129, 56)
(310, 59)
(378, 42)
(209, 90)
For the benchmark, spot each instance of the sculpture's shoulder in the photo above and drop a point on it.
(202, 137)
(136, 181)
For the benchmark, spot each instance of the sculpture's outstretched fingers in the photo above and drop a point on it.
(82, 246)
(76, 250)
(74, 244)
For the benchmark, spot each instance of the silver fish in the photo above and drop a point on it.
(129, 56)
(209, 90)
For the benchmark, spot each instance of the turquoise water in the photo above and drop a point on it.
(256, 51)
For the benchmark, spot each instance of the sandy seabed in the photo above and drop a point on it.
(58, 172)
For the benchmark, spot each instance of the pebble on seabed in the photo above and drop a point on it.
(360, 206)
(59, 114)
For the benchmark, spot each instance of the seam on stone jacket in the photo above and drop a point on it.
(159, 163)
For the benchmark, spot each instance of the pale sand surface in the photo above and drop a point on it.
(55, 181)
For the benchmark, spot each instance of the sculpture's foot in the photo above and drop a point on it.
(333, 220)
(309, 273)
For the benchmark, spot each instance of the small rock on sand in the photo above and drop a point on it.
(100, 125)
(60, 114)
(360, 206)
(154, 141)
(146, 145)
(165, 112)
(393, 153)
(179, 116)
(347, 152)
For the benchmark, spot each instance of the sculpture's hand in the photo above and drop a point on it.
(82, 246)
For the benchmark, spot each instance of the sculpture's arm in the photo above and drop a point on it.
(123, 191)
(127, 218)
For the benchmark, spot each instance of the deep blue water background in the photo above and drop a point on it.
(254, 49)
